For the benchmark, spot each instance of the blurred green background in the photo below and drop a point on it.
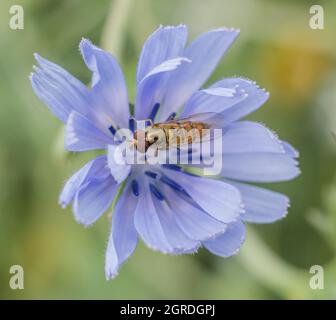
(276, 48)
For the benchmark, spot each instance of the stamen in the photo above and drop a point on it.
(179, 169)
(148, 123)
(154, 111)
(172, 167)
(112, 129)
(191, 156)
(172, 116)
(131, 124)
(156, 192)
(135, 188)
(171, 183)
(151, 174)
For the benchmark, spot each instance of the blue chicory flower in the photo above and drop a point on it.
(171, 210)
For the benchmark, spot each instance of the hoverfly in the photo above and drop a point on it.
(178, 132)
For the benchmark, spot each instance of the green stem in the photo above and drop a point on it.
(271, 270)
(115, 26)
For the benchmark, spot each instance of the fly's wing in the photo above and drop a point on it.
(213, 120)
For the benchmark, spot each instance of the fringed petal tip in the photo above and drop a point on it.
(251, 82)
(88, 44)
(110, 275)
(167, 27)
(176, 251)
(39, 58)
(63, 203)
(229, 243)
(79, 220)
(85, 48)
(78, 217)
(84, 41)
(66, 195)
(85, 44)
(226, 29)
(184, 26)
(284, 215)
(182, 251)
(112, 265)
(290, 150)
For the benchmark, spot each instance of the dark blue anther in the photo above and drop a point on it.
(156, 192)
(135, 188)
(171, 116)
(190, 155)
(151, 174)
(194, 154)
(148, 123)
(197, 157)
(178, 168)
(112, 130)
(131, 124)
(186, 193)
(171, 183)
(190, 150)
(154, 111)
(172, 167)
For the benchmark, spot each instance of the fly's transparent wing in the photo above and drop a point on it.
(212, 120)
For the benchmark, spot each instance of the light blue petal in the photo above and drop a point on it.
(191, 251)
(228, 243)
(147, 222)
(191, 219)
(123, 238)
(93, 199)
(219, 199)
(82, 135)
(262, 205)
(151, 89)
(247, 136)
(59, 90)
(164, 44)
(108, 91)
(119, 171)
(290, 150)
(214, 99)
(95, 168)
(255, 97)
(259, 167)
(176, 237)
(205, 52)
